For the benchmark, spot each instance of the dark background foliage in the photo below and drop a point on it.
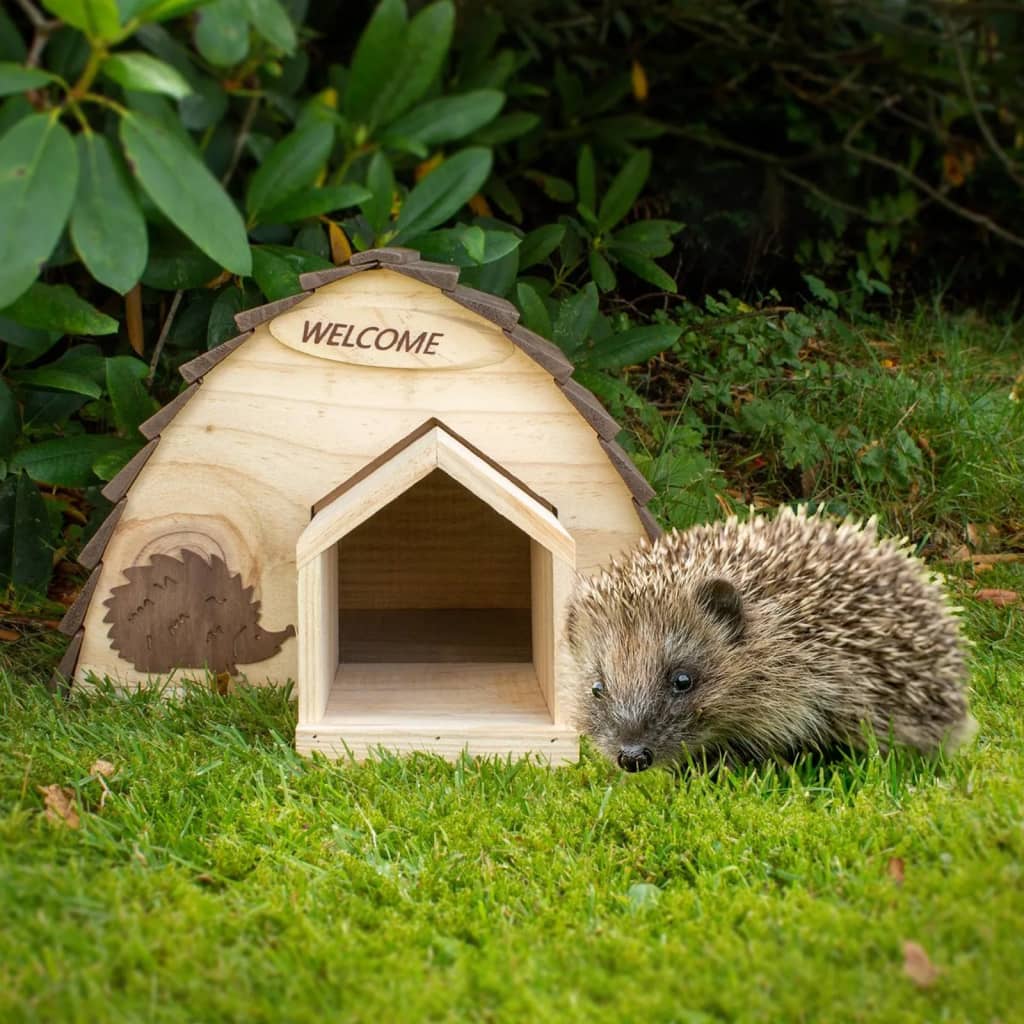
(693, 200)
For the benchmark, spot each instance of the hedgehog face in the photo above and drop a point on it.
(651, 673)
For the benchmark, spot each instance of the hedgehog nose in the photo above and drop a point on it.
(635, 759)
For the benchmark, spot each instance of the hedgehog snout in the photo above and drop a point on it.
(634, 758)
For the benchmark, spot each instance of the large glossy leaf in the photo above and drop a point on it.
(56, 307)
(636, 345)
(645, 237)
(65, 461)
(222, 32)
(427, 39)
(276, 269)
(271, 20)
(466, 246)
(506, 128)
(107, 226)
(186, 192)
(443, 192)
(376, 59)
(174, 264)
(26, 553)
(220, 325)
(38, 175)
(648, 270)
(58, 378)
(312, 202)
(380, 182)
(535, 314)
(143, 73)
(624, 189)
(10, 420)
(160, 10)
(128, 395)
(539, 244)
(291, 165)
(447, 118)
(99, 19)
(16, 78)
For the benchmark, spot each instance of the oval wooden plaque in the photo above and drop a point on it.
(408, 339)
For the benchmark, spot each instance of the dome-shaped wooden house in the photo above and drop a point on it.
(382, 490)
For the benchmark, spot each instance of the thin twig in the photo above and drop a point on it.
(242, 139)
(164, 331)
(943, 200)
(42, 27)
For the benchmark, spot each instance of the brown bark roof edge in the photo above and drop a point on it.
(316, 278)
(156, 423)
(424, 428)
(75, 615)
(651, 525)
(494, 308)
(197, 368)
(64, 673)
(590, 408)
(635, 480)
(118, 487)
(250, 318)
(386, 254)
(93, 551)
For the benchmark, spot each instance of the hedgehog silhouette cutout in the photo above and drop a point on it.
(188, 612)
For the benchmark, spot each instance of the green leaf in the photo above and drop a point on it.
(539, 244)
(442, 192)
(576, 316)
(466, 246)
(645, 237)
(507, 128)
(38, 175)
(312, 202)
(175, 264)
(601, 271)
(15, 78)
(56, 307)
(271, 21)
(107, 226)
(59, 379)
(648, 270)
(586, 178)
(222, 32)
(221, 326)
(535, 316)
(424, 49)
(276, 269)
(143, 73)
(447, 118)
(10, 420)
(108, 465)
(26, 551)
(554, 188)
(98, 19)
(65, 461)
(162, 10)
(636, 345)
(376, 59)
(380, 181)
(291, 165)
(623, 191)
(184, 190)
(132, 403)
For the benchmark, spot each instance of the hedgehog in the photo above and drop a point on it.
(743, 641)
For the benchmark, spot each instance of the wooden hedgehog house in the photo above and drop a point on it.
(381, 489)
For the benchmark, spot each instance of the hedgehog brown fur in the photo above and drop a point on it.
(762, 638)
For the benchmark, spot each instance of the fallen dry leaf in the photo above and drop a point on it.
(917, 967)
(101, 767)
(1000, 598)
(895, 869)
(9, 635)
(60, 805)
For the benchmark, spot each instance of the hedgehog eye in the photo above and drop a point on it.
(681, 682)
(598, 689)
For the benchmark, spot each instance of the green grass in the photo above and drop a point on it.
(225, 878)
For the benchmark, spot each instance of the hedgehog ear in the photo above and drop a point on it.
(721, 600)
